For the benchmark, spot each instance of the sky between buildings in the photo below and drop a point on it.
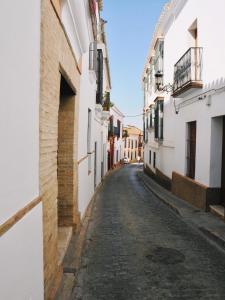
(130, 26)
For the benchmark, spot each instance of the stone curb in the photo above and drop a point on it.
(171, 205)
(211, 234)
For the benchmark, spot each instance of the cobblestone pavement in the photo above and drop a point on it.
(137, 248)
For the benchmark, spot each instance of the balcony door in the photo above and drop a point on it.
(191, 149)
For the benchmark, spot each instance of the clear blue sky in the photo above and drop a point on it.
(129, 30)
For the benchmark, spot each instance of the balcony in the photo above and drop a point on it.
(188, 72)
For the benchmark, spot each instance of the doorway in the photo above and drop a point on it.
(65, 168)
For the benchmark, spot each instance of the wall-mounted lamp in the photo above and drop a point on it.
(158, 80)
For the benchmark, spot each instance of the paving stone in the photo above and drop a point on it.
(138, 248)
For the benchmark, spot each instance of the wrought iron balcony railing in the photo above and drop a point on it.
(188, 72)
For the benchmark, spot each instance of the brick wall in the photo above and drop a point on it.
(65, 160)
(56, 57)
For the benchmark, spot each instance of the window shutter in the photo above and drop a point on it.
(157, 121)
(99, 95)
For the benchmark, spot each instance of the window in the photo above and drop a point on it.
(150, 78)
(152, 117)
(191, 149)
(154, 160)
(159, 120)
(132, 144)
(145, 130)
(158, 64)
(145, 91)
(125, 143)
(118, 128)
(136, 144)
(128, 154)
(89, 140)
(150, 157)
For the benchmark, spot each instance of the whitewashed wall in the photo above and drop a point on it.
(213, 77)
(21, 259)
(101, 137)
(21, 248)
(77, 21)
(87, 101)
(177, 40)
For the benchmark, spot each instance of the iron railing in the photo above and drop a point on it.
(188, 69)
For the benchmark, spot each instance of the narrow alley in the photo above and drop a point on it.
(138, 248)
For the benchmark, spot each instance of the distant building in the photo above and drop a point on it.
(133, 143)
(115, 137)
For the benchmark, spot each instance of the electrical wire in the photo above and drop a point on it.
(134, 116)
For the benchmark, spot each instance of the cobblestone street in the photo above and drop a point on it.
(138, 248)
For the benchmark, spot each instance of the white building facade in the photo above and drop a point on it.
(93, 119)
(115, 134)
(184, 108)
(54, 135)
